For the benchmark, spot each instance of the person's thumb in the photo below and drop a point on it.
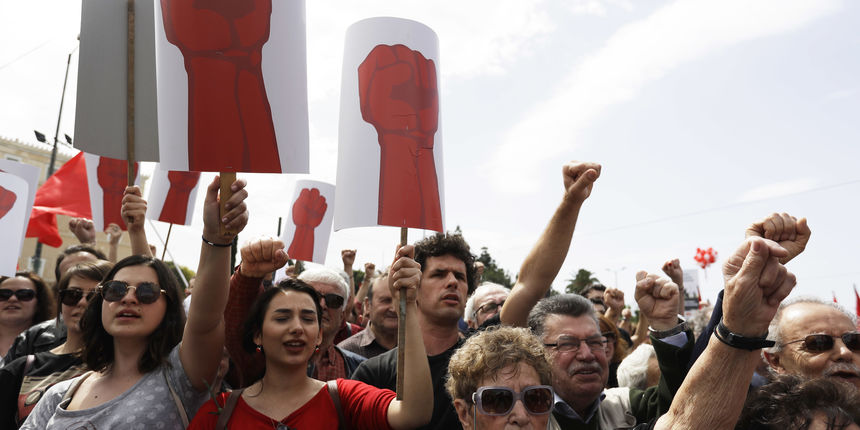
(755, 260)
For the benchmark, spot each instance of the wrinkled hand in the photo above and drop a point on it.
(348, 257)
(626, 314)
(114, 233)
(405, 274)
(262, 256)
(83, 229)
(309, 208)
(788, 231)
(237, 212)
(658, 300)
(613, 298)
(756, 287)
(579, 177)
(133, 208)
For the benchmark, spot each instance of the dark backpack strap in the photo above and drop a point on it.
(229, 405)
(332, 391)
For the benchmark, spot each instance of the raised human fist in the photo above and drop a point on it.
(788, 231)
(114, 233)
(133, 210)
(579, 177)
(222, 43)
(262, 256)
(7, 201)
(348, 257)
(657, 299)
(613, 298)
(398, 96)
(175, 208)
(83, 229)
(112, 175)
(308, 212)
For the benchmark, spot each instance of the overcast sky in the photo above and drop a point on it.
(706, 116)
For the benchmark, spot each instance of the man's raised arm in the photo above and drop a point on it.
(544, 261)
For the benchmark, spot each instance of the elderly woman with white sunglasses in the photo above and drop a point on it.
(500, 378)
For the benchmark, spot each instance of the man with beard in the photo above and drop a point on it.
(380, 335)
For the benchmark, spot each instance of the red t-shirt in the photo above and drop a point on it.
(365, 406)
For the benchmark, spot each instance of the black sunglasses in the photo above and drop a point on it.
(333, 300)
(825, 342)
(537, 399)
(146, 292)
(22, 295)
(71, 296)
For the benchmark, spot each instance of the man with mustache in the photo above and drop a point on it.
(380, 335)
(576, 349)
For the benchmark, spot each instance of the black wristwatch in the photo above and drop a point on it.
(741, 342)
(661, 334)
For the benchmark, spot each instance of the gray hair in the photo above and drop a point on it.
(483, 289)
(383, 277)
(572, 305)
(329, 276)
(633, 370)
(774, 330)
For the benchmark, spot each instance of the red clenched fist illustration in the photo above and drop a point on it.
(308, 212)
(7, 201)
(222, 43)
(176, 203)
(398, 96)
(113, 178)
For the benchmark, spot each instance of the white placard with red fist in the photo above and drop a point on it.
(232, 85)
(390, 140)
(107, 179)
(172, 195)
(14, 207)
(309, 220)
(31, 175)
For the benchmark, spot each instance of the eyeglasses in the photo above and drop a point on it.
(146, 292)
(571, 344)
(333, 300)
(825, 342)
(537, 399)
(610, 336)
(24, 295)
(71, 296)
(488, 308)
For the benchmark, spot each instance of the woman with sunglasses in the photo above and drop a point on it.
(24, 301)
(25, 380)
(141, 375)
(500, 378)
(285, 327)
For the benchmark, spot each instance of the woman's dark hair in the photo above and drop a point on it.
(621, 347)
(98, 352)
(45, 300)
(92, 270)
(792, 403)
(254, 322)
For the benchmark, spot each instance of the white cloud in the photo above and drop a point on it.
(778, 189)
(638, 53)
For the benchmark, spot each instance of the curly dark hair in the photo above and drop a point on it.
(254, 322)
(791, 403)
(448, 244)
(74, 249)
(45, 301)
(98, 352)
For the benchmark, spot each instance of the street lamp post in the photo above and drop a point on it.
(36, 260)
(615, 271)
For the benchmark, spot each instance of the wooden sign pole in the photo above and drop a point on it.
(169, 229)
(401, 327)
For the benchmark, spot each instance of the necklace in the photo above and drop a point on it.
(280, 425)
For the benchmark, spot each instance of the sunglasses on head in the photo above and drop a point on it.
(22, 295)
(146, 292)
(537, 399)
(825, 342)
(333, 300)
(71, 296)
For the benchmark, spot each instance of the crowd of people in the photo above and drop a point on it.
(121, 344)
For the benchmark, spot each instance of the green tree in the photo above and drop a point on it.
(186, 272)
(492, 272)
(358, 277)
(581, 279)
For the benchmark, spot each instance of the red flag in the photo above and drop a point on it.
(834, 296)
(857, 297)
(65, 192)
